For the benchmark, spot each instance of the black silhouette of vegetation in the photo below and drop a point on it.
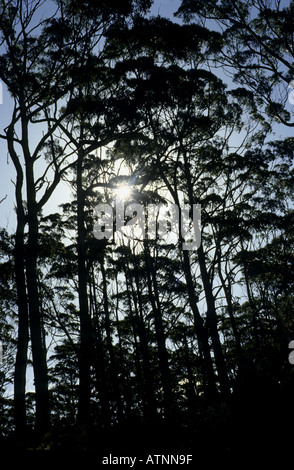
(140, 345)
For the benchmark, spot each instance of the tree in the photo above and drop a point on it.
(33, 94)
(258, 48)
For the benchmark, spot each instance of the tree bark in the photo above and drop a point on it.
(209, 379)
(99, 356)
(22, 336)
(85, 322)
(149, 392)
(168, 399)
(36, 326)
(113, 360)
(212, 325)
(22, 301)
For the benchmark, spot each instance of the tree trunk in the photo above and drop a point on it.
(168, 399)
(151, 408)
(85, 321)
(36, 327)
(226, 284)
(23, 332)
(210, 301)
(191, 395)
(22, 302)
(113, 361)
(200, 329)
(201, 332)
(99, 358)
(22, 338)
(212, 325)
(144, 375)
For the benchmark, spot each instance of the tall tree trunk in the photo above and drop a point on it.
(35, 320)
(22, 303)
(212, 325)
(200, 329)
(123, 365)
(85, 321)
(191, 395)
(144, 375)
(208, 374)
(211, 317)
(168, 399)
(227, 287)
(113, 361)
(36, 326)
(151, 408)
(99, 357)
(22, 339)
(22, 335)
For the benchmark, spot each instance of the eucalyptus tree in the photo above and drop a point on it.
(258, 49)
(26, 53)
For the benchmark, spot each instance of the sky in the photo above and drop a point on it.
(165, 7)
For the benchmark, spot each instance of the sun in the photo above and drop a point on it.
(123, 191)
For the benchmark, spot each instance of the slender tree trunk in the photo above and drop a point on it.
(254, 311)
(22, 301)
(23, 329)
(144, 376)
(228, 294)
(123, 365)
(168, 399)
(36, 327)
(22, 336)
(151, 408)
(113, 361)
(200, 329)
(85, 321)
(99, 359)
(209, 379)
(212, 325)
(191, 395)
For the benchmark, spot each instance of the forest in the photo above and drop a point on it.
(142, 343)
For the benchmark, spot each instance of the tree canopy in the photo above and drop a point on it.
(127, 335)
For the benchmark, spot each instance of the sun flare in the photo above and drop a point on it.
(123, 192)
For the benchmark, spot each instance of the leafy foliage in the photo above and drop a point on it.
(142, 334)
